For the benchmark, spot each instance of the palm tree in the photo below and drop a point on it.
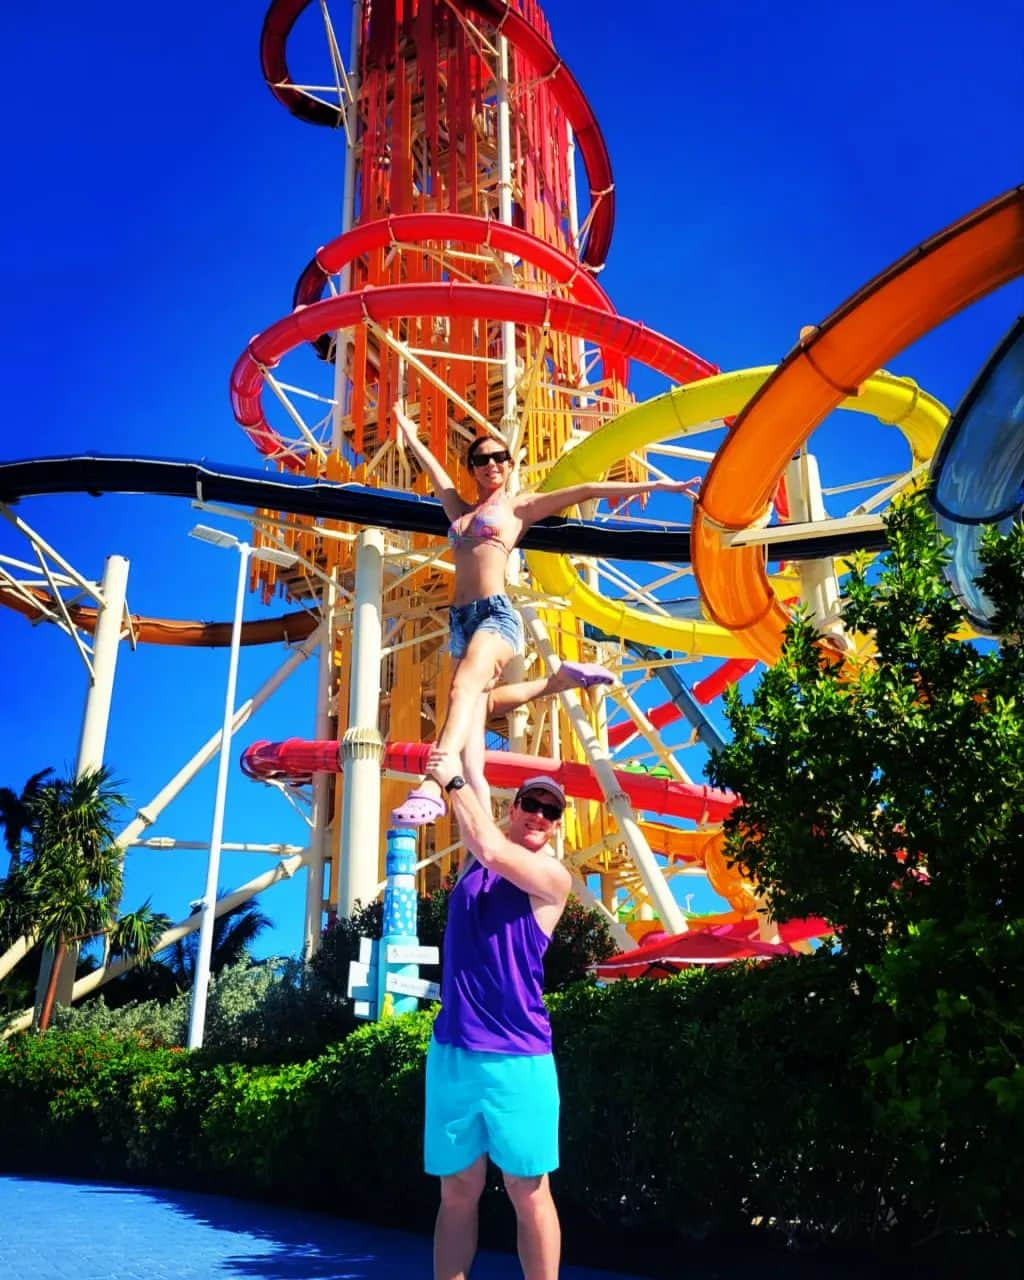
(16, 891)
(73, 875)
(233, 934)
(172, 970)
(16, 814)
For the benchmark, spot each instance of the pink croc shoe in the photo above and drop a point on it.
(418, 809)
(585, 674)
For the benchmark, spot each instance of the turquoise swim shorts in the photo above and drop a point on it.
(504, 1104)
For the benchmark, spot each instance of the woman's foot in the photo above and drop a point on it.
(581, 675)
(423, 805)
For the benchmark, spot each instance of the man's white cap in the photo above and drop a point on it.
(542, 783)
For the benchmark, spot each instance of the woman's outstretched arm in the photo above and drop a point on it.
(531, 507)
(441, 481)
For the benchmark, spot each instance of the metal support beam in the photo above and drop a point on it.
(93, 738)
(362, 747)
(618, 803)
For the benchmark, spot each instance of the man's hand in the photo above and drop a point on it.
(442, 766)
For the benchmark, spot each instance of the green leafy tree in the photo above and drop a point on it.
(16, 814)
(885, 796)
(68, 882)
(234, 932)
(172, 970)
(16, 988)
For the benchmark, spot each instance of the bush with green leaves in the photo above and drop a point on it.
(691, 1106)
(276, 1010)
(694, 1107)
(66, 1099)
(886, 797)
(282, 1010)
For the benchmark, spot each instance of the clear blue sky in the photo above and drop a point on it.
(769, 159)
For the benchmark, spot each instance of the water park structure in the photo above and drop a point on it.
(465, 283)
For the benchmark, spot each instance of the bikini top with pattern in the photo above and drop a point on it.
(479, 526)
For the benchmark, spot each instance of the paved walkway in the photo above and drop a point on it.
(51, 1230)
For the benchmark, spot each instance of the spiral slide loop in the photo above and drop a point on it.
(751, 601)
(958, 266)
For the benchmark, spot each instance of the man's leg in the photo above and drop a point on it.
(538, 1235)
(455, 1231)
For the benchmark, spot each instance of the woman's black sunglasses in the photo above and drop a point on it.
(482, 459)
(550, 811)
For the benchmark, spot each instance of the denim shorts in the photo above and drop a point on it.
(501, 1104)
(492, 613)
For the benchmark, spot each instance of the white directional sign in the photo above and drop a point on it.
(362, 981)
(400, 985)
(399, 954)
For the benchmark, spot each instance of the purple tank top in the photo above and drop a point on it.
(493, 980)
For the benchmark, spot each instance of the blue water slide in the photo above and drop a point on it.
(978, 470)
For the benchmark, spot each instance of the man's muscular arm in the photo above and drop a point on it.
(540, 876)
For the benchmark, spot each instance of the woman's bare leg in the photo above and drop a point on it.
(476, 672)
(473, 753)
(504, 698)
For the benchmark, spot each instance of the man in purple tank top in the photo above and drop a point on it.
(491, 1083)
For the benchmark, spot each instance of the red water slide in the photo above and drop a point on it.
(704, 691)
(297, 760)
(613, 335)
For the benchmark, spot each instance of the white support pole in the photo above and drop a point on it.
(106, 640)
(95, 720)
(323, 785)
(362, 747)
(516, 720)
(615, 798)
(201, 981)
(819, 586)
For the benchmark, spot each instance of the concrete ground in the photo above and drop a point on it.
(56, 1230)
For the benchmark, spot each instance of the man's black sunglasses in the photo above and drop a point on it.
(482, 459)
(550, 811)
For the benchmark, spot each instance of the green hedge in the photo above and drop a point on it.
(708, 1105)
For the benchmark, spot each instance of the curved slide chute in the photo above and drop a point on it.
(833, 367)
(524, 36)
(899, 402)
(37, 605)
(460, 228)
(978, 472)
(352, 504)
(298, 760)
(613, 335)
(688, 703)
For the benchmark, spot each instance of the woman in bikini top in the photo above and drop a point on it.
(483, 524)
(483, 535)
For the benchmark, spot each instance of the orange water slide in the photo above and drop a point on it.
(940, 277)
(36, 605)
